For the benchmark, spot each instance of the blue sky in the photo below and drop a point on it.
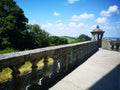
(73, 17)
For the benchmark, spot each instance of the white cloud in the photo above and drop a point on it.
(75, 29)
(72, 1)
(118, 25)
(101, 20)
(47, 26)
(75, 25)
(56, 14)
(69, 29)
(58, 21)
(60, 26)
(110, 11)
(81, 16)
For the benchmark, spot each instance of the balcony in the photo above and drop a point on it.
(64, 59)
(100, 72)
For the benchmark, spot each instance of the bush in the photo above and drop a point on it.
(7, 50)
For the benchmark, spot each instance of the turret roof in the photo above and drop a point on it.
(97, 29)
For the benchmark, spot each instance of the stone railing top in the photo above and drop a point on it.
(39, 50)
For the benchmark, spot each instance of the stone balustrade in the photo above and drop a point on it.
(65, 57)
(115, 44)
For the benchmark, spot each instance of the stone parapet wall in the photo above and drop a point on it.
(111, 45)
(64, 58)
(115, 45)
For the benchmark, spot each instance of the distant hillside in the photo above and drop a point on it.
(70, 39)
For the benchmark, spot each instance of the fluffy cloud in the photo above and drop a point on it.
(56, 14)
(60, 26)
(47, 26)
(69, 29)
(101, 20)
(111, 10)
(72, 1)
(75, 29)
(75, 25)
(81, 16)
(58, 21)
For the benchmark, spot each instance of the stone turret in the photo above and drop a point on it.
(97, 34)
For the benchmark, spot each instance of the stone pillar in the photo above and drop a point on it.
(34, 76)
(93, 37)
(62, 61)
(17, 82)
(46, 70)
(71, 57)
(34, 73)
(66, 61)
(55, 65)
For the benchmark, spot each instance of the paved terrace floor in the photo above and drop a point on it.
(99, 72)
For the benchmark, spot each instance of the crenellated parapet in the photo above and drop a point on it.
(63, 59)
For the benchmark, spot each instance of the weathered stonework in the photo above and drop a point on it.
(65, 57)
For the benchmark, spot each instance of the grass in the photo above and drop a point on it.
(70, 39)
(7, 50)
(6, 72)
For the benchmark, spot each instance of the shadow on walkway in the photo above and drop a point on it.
(111, 81)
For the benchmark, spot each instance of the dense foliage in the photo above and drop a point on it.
(12, 25)
(82, 38)
(36, 37)
(55, 40)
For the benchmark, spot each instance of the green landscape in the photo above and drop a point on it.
(16, 34)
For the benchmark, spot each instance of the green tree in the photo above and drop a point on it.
(39, 37)
(12, 25)
(55, 40)
(83, 37)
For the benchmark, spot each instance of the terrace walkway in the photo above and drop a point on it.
(99, 72)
